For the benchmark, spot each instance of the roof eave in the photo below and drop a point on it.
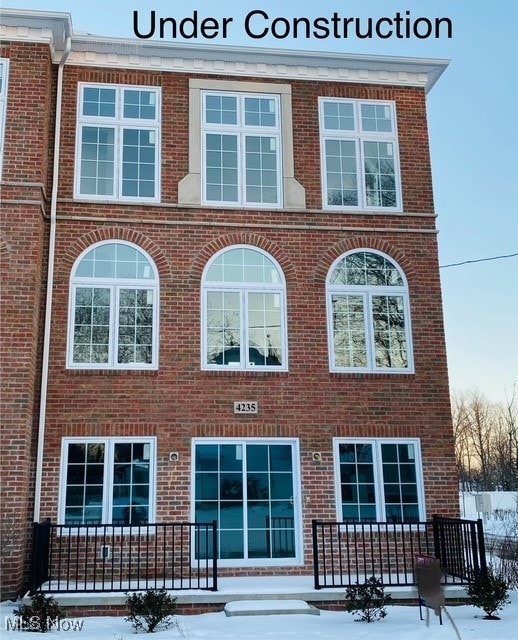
(57, 26)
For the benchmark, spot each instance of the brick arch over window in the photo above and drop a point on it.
(115, 233)
(240, 238)
(361, 242)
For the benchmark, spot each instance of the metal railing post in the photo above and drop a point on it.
(34, 557)
(481, 548)
(215, 555)
(314, 529)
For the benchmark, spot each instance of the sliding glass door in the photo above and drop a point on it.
(250, 487)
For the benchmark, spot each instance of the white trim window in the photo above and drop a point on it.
(243, 311)
(107, 481)
(241, 149)
(360, 158)
(4, 74)
(113, 319)
(118, 143)
(368, 315)
(251, 487)
(379, 480)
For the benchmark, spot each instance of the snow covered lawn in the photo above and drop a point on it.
(401, 623)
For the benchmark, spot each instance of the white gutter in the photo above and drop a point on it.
(50, 284)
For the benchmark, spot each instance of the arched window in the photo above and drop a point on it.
(368, 314)
(113, 320)
(244, 315)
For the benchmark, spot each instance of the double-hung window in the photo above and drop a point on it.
(241, 149)
(113, 321)
(359, 155)
(368, 315)
(107, 481)
(379, 480)
(118, 143)
(244, 312)
(4, 68)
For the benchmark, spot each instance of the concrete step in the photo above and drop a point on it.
(269, 608)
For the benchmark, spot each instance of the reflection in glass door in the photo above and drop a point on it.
(248, 487)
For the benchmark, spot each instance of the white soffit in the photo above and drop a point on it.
(89, 50)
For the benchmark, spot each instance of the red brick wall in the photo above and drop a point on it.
(179, 401)
(24, 229)
(411, 116)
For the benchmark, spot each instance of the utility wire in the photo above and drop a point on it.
(458, 264)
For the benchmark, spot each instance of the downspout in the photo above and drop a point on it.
(50, 284)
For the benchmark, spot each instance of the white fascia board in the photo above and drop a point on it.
(52, 28)
(256, 61)
(88, 50)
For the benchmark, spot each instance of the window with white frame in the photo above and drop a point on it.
(379, 480)
(4, 71)
(113, 319)
(244, 315)
(251, 488)
(241, 149)
(118, 143)
(360, 157)
(368, 315)
(107, 481)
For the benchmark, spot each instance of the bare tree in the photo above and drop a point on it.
(508, 422)
(462, 439)
(486, 441)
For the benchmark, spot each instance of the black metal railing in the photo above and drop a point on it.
(460, 548)
(108, 557)
(40, 554)
(280, 541)
(349, 553)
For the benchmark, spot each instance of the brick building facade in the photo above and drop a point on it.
(244, 321)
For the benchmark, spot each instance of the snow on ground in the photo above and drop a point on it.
(401, 622)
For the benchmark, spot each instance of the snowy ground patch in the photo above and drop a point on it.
(401, 622)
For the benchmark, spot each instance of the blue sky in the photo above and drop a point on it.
(473, 118)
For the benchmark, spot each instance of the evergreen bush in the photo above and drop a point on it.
(489, 592)
(150, 609)
(42, 614)
(367, 599)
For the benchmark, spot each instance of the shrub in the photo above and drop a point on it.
(368, 599)
(502, 546)
(489, 592)
(150, 609)
(41, 614)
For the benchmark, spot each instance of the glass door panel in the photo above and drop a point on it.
(271, 516)
(249, 489)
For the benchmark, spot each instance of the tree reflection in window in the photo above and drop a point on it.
(107, 481)
(113, 315)
(379, 480)
(368, 314)
(244, 311)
